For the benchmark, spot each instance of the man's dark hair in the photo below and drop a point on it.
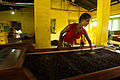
(84, 16)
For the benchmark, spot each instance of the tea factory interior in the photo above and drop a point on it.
(29, 36)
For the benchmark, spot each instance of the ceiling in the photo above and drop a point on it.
(15, 4)
(8, 7)
(90, 5)
(21, 1)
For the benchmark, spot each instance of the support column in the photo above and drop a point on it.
(103, 12)
(42, 23)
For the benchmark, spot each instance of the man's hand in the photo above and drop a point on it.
(59, 47)
(92, 52)
(91, 48)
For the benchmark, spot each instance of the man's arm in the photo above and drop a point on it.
(88, 39)
(81, 41)
(66, 29)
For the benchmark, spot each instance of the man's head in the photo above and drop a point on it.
(84, 19)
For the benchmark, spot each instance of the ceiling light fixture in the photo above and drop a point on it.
(12, 12)
(73, 0)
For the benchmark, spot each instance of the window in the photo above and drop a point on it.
(95, 23)
(109, 26)
(115, 25)
(53, 26)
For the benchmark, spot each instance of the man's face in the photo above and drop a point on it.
(86, 22)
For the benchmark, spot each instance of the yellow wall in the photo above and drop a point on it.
(61, 21)
(25, 16)
(27, 20)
